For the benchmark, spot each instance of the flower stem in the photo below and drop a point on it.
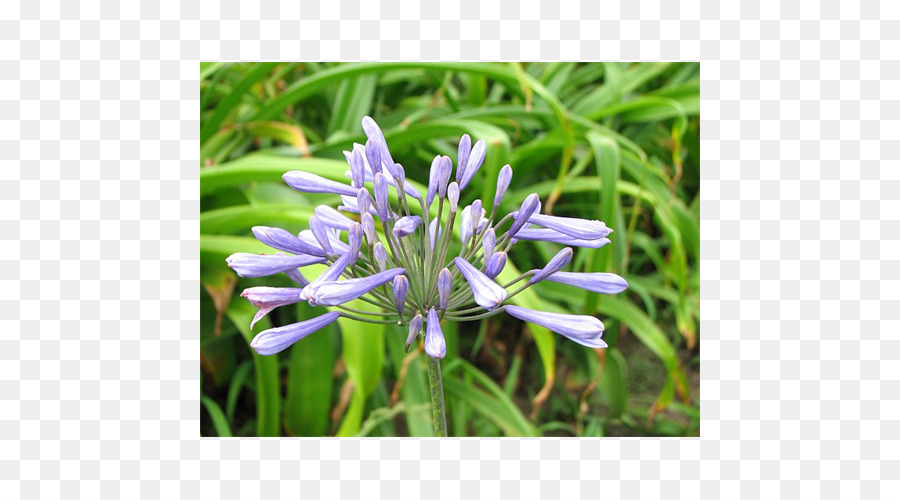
(438, 413)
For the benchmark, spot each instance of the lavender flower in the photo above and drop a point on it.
(312, 183)
(321, 233)
(503, 180)
(495, 265)
(530, 206)
(476, 158)
(434, 336)
(444, 282)
(279, 239)
(586, 330)
(249, 265)
(403, 266)
(406, 226)
(581, 229)
(607, 283)
(401, 287)
(465, 147)
(332, 293)
(415, 326)
(332, 218)
(488, 294)
(559, 261)
(275, 340)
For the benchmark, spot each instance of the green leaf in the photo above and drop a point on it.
(220, 423)
(363, 349)
(234, 388)
(491, 402)
(213, 123)
(268, 387)
(309, 381)
(353, 101)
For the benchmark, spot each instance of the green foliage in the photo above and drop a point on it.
(613, 141)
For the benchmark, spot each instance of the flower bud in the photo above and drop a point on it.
(320, 232)
(380, 256)
(494, 266)
(444, 283)
(453, 196)
(487, 294)
(503, 180)
(405, 226)
(373, 155)
(476, 158)
(435, 346)
(401, 287)
(444, 175)
(433, 176)
(357, 168)
(381, 197)
(559, 261)
(354, 237)
(415, 327)
(488, 241)
(477, 214)
(530, 206)
(462, 158)
(368, 227)
(363, 200)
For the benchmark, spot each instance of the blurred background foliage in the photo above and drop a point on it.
(616, 142)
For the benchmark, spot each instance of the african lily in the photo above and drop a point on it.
(395, 256)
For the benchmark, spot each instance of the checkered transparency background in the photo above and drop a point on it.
(99, 155)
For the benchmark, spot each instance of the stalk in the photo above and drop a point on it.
(436, 386)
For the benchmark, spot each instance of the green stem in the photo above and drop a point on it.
(438, 413)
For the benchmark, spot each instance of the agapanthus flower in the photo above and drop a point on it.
(397, 257)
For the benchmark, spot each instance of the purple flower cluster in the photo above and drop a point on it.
(404, 268)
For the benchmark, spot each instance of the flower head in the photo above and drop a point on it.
(403, 263)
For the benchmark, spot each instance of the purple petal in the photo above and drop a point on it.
(559, 261)
(415, 326)
(581, 229)
(354, 236)
(280, 239)
(297, 276)
(381, 197)
(380, 256)
(530, 206)
(401, 287)
(495, 265)
(487, 294)
(312, 183)
(250, 265)
(462, 157)
(334, 293)
(453, 196)
(374, 133)
(487, 242)
(405, 226)
(433, 179)
(476, 158)
(586, 330)
(434, 337)
(331, 274)
(275, 340)
(608, 283)
(368, 226)
(557, 237)
(503, 180)
(321, 233)
(444, 284)
(267, 298)
(332, 218)
(373, 157)
(444, 176)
